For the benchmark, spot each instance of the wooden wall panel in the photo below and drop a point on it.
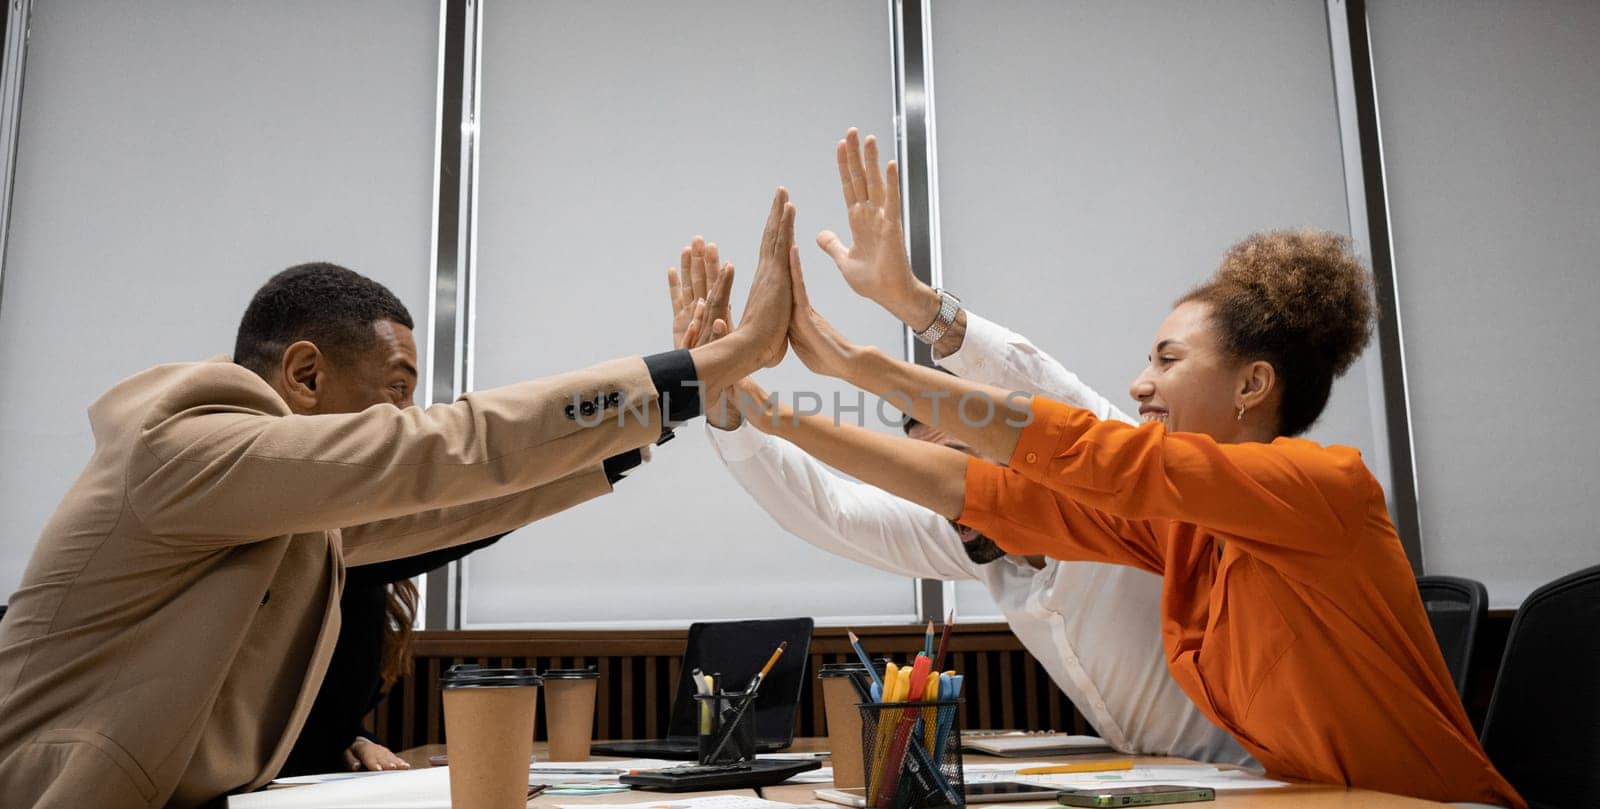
(1006, 687)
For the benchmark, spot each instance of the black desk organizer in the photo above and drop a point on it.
(924, 772)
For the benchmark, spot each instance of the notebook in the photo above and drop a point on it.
(737, 649)
(1034, 744)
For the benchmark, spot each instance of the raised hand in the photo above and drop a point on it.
(875, 264)
(766, 311)
(816, 342)
(699, 295)
(698, 321)
(762, 336)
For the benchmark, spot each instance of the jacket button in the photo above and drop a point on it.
(1032, 457)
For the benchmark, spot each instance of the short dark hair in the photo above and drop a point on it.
(1299, 299)
(324, 303)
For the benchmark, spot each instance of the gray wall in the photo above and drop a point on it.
(171, 157)
(613, 133)
(1491, 125)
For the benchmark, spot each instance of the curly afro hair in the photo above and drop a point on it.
(1299, 299)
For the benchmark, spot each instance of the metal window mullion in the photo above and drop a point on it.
(910, 31)
(1366, 191)
(454, 247)
(18, 15)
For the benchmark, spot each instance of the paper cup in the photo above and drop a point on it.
(488, 724)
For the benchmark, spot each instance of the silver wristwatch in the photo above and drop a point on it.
(949, 305)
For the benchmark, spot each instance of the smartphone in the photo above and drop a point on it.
(996, 792)
(1135, 796)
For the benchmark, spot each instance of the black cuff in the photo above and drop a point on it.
(617, 467)
(677, 385)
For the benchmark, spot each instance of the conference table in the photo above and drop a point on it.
(1293, 796)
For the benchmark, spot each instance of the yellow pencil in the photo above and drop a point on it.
(1086, 766)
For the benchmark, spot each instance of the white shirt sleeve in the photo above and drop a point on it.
(854, 520)
(995, 355)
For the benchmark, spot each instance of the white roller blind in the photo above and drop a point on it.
(1490, 125)
(172, 156)
(1097, 158)
(612, 133)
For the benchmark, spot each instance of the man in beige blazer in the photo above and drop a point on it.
(176, 618)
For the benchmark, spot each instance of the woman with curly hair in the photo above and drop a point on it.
(1290, 615)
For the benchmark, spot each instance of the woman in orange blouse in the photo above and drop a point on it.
(1290, 614)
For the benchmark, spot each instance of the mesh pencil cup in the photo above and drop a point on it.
(911, 754)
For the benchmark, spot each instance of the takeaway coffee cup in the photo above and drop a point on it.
(569, 711)
(842, 690)
(488, 725)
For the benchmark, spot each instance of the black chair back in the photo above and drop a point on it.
(1543, 726)
(1456, 608)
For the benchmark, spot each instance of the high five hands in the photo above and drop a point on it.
(700, 312)
(778, 311)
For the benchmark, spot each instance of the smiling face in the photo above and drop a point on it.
(1191, 385)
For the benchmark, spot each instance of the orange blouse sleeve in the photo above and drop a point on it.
(1024, 517)
(1290, 497)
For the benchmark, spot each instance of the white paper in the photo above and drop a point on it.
(812, 756)
(427, 788)
(1032, 743)
(821, 775)
(623, 764)
(559, 773)
(324, 778)
(1186, 775)
(713, 802)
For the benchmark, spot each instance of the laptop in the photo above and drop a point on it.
(737, 649)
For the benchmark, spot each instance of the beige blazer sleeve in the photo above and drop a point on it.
(223, 462)
(441, 528)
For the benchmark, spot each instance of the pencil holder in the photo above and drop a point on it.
(911, 754)
(727, 727)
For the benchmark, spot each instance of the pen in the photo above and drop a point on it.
(755, 682)
(1086, 766)
(748, 699)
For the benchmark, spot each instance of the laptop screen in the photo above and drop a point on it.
(738, 649)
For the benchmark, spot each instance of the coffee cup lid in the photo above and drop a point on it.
(465, 675)
(589, 673)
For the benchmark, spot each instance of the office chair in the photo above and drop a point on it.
(1543, 726)
(1456, 608)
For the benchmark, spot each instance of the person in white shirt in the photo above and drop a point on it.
(1094, 627)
